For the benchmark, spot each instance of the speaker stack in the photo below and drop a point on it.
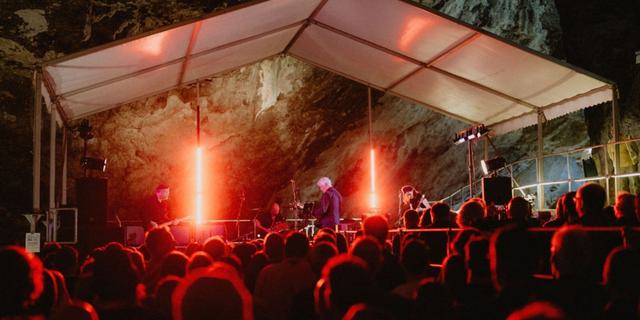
(496, 190)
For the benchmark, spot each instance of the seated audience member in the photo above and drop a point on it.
(174, 264)
(192, 248)
(162, 296)
(519, 212)
(76, 310)
(622, 281)
(440, 216)
(345, 282)
(273, 252)
(22, 282)
(390, 274)
(369, 250)
(476, 298)
(278, 283)
(341, 243)
(410, 219)
(454, 276)
(115, 283)
(437, 241)
(54, 294)
(538, 310)
(590, 200)
(65, 260)
(625, 210)
(199, 260)
(137, 258)
(212, 293)
(414, 259)
(433, 301)
(565, 211)
(159, 242)
(573, 288)
(471, 214)
(512, 267)
(215, 247)
(303, 304)
(363, 311)
(244, 251)
(462, 238)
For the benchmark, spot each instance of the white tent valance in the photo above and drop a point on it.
(391, 45)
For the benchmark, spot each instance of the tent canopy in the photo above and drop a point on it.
(391, 45)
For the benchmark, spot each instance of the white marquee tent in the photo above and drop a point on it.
(395, 46)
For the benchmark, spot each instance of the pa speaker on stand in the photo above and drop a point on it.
(496, 190)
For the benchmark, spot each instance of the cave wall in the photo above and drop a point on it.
(281, 119)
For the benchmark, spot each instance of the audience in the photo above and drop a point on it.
(590, 200)
(492, 268)
(471, 214)
(278, 283)
(625, 210)
(565, 211)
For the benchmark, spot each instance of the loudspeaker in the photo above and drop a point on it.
(91, 198)
(496, 190)
(133, 236)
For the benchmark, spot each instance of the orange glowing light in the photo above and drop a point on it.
(153, 44)
(411, 32)
(198, 185)
(373, 198)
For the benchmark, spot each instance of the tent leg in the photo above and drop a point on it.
(540, 160)
(615, 136)
(63, 178)
(52, 170)
(471, 167)
(37, 139)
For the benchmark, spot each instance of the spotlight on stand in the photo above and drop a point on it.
(468, 134)
(492, 165)
(94, 163)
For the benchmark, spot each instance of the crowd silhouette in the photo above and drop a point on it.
(475, 265)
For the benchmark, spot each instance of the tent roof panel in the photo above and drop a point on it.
(337, 52)
(436, 89)
(240, 24)
(392, 45)
(235, 56)
(97, 99)
(113, 62)
(515, 72)
(419, 34)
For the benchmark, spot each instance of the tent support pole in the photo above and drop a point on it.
(37, 138)
(615, 137)
(472, 172)
(52, 159)
(540, 160)
(63, 178)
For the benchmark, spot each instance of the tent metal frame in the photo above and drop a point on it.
(42, 78)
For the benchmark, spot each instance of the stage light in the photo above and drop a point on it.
(94, 163)
(492, 165)
(373, 198)
(470, 133)
(198, 185)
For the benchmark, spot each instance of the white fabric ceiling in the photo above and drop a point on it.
(391, 45)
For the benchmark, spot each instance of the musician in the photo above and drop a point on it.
(156, 207)
(328, 210)
(267, 220)
(412, 199)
